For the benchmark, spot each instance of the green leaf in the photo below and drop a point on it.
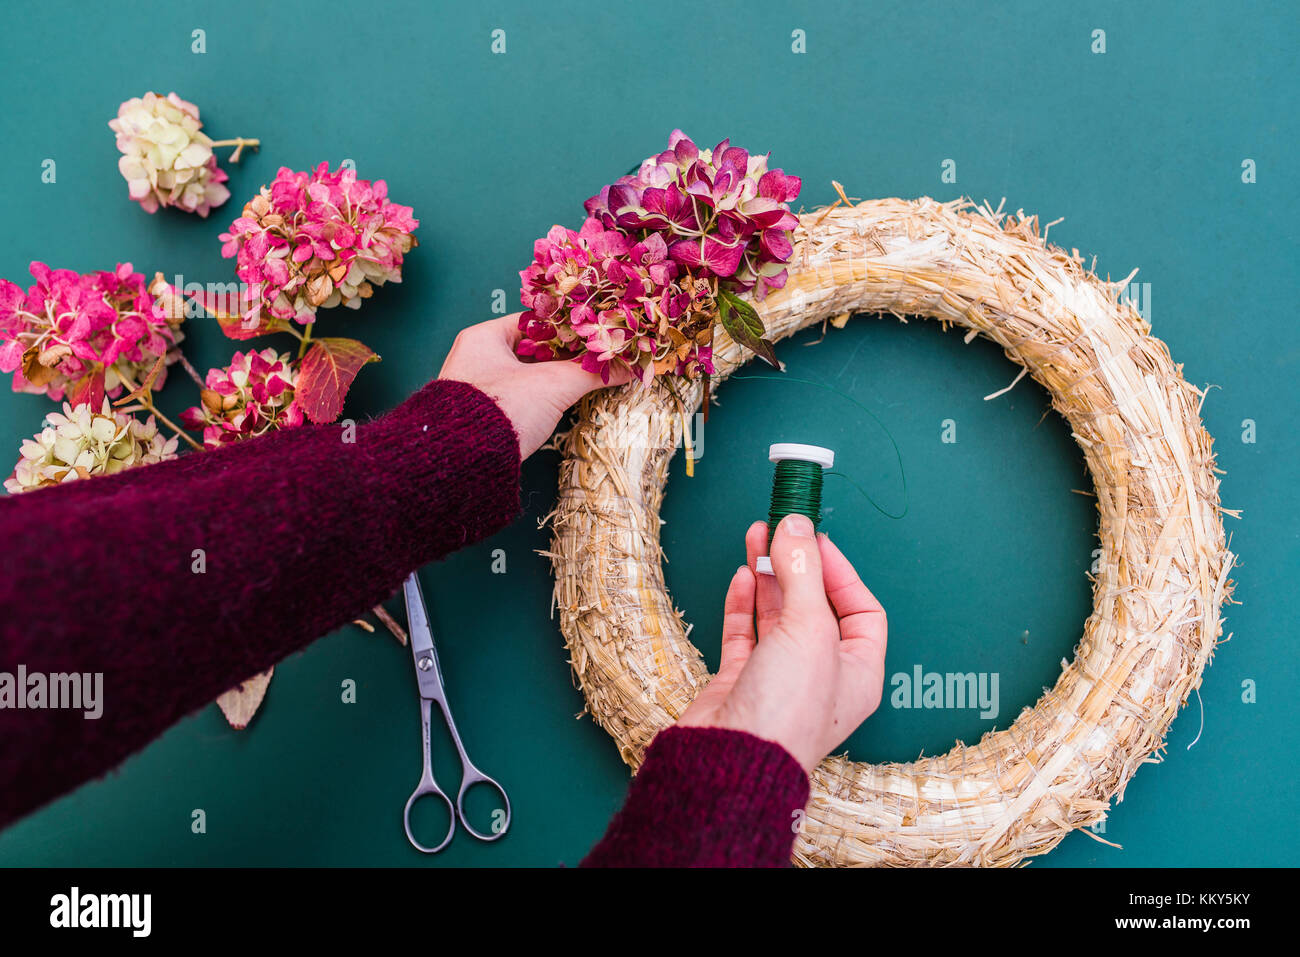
(325, 375)
(743, 324)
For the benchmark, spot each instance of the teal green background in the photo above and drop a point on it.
(1139, 148)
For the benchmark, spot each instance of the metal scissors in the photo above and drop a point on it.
(429, 676)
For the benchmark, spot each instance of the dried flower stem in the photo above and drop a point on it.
(190, 370)
(153, 410)
(392, 624)
(389, 622)
(686, 433)
(146, 400)
(238, 143)
(304, 339)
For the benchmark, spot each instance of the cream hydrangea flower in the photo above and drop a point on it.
(78, 443)
(167, 158)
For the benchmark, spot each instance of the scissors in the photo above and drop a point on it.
(429, 676)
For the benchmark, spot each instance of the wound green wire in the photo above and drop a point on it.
(796, 488)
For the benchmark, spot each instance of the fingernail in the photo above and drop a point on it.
(798, 526)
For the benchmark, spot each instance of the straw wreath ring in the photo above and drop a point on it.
(1161, 580)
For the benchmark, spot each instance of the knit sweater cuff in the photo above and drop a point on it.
(707, 797)
(466, 473)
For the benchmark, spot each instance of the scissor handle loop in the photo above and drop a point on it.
(426, 788)
(473, 776)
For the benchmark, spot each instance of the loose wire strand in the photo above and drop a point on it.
(898, 455)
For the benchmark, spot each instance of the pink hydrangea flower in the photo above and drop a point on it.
(82, 335)
(661, 258)
(603, 298)
(251, 396)
(721, 211)
(313, 240)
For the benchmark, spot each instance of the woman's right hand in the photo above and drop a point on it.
(812, 668)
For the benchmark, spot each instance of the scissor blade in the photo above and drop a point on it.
(417, 616)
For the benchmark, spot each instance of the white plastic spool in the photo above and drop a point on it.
(802, 453)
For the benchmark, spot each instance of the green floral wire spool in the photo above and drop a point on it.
(796, 487)
(1161, 580)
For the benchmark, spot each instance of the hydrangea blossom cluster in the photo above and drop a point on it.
(313, 240)
(598, 295)
(660, 259)
(167, 159)
(720, 210)
(80, 335)
(251, 396)
(79, 443)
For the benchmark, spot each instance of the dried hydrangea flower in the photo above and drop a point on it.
(697, 227)
(601, 297)
(251, 396)
(79, 443)
(82, 335)
(721, 210)
(167, 159)
(315, 240)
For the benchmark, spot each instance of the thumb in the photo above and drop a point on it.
(796, 560)
(567, 381)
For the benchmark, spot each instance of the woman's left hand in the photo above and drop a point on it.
(533, 395)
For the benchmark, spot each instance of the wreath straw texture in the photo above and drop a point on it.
(1163, 571)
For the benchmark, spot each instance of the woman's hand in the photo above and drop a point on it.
(533, 395)
(817, 667)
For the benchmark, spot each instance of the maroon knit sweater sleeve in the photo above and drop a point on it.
(707, 797)
(179, 580)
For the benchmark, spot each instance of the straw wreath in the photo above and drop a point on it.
(1164, 563)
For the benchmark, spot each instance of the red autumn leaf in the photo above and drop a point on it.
(237, 327)
(235, 316)
(326, 374)
(88, 390)
(222, 305)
